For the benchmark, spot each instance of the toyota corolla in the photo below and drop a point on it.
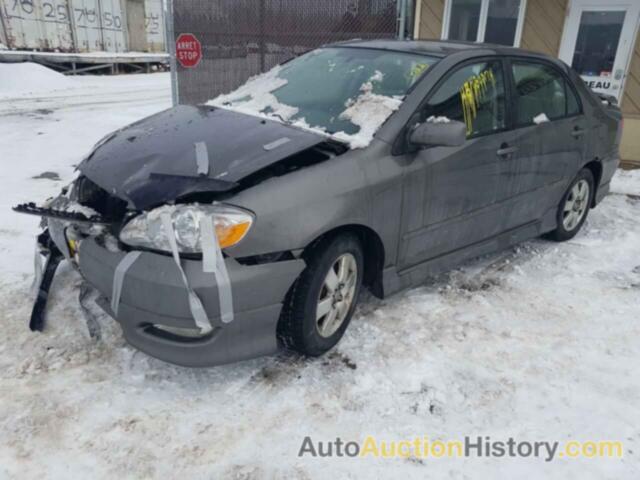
(220, 232)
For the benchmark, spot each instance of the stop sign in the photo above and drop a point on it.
(188, 50)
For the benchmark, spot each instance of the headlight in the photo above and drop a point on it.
(146, 230)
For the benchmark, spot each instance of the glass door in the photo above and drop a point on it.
(598, 40)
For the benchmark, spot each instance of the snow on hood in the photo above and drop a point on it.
(367, 111)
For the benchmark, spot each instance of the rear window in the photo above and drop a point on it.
(541, 89)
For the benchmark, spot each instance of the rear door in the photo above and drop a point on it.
(452, 195)
(551, 138)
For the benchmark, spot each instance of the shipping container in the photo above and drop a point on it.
(3, 37)
(154, 25)
(136, 26)
(99, 25)
(83, 25)
(86, 25)
(37, 24)
(114, 25)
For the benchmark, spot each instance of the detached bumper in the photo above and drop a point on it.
(153, 296)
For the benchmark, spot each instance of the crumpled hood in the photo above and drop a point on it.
(154, 160)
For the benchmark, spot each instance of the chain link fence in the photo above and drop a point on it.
(241, 38)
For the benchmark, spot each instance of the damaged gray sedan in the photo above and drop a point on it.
(219, 232)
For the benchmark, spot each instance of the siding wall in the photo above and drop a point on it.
(630, 146)
(431, 14)
(543, 25)
(631, 98)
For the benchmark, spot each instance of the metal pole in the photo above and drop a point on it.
(170, 41)
(263, 53)
(402, 20)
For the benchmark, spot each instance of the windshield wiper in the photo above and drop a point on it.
(279, 116)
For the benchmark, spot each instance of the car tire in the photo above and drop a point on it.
(574, 207)
(304, 327)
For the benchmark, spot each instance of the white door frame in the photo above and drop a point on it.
(570, 34)
(482, 25)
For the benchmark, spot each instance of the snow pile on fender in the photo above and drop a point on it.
(24, 79)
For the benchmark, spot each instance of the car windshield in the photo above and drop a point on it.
(344, 92)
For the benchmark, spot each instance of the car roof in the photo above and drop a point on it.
(437, 48)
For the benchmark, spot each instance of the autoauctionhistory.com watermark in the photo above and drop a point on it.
(466, 447)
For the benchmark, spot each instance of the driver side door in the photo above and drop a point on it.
(451, 197)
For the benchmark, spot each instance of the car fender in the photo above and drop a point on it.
(293, 210)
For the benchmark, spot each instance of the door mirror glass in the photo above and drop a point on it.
(444, 134)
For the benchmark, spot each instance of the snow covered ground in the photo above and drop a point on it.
(538, 343)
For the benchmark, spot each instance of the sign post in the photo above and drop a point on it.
(171, 47)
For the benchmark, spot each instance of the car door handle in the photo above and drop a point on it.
(578, 132)
(506, 150)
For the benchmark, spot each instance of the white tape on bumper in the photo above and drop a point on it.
(213, 262)
(195, 304)
(208, 236)
(118, 279)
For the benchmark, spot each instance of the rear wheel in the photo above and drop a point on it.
(320, 304)
(574, 207)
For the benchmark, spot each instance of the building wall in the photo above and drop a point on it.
(631, 98)
(630, 148)
(431, 14)
(542, 32)
(543, 25)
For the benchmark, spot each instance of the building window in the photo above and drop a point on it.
(490, 21)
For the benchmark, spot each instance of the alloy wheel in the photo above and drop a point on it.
(336, 295)
(576, 205)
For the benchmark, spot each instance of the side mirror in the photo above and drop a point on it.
(439, 134)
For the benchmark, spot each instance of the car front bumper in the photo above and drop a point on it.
(154, 303)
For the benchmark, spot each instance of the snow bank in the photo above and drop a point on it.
(626, 182)
(20, 79)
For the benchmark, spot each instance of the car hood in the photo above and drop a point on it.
(161, 158)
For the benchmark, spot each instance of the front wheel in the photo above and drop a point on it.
(574, 207)
(320, 304)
